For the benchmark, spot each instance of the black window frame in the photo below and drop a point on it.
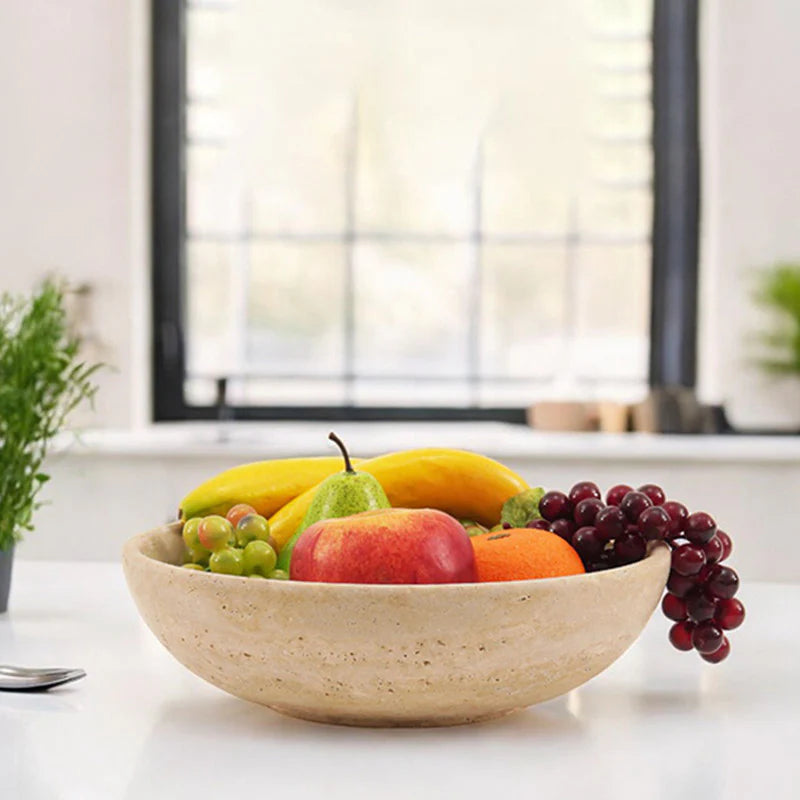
(675, 229)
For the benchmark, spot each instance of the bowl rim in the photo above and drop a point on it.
(132, 551)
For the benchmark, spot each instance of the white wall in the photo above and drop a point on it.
(751, 185)
(73, 172)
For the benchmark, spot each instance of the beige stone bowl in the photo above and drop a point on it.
(390, 655)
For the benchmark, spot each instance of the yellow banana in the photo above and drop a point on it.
(265, 485)
(464, 484)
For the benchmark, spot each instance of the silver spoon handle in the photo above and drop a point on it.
(42, 680)
(6, 670)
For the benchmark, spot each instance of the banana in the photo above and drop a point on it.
(465, 485)
(265, 485)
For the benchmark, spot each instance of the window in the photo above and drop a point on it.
(431, 208)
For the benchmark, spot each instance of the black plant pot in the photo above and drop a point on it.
(6, 562)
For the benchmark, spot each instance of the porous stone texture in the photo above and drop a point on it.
(390, 655)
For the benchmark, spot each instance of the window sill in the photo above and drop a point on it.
(251, 441)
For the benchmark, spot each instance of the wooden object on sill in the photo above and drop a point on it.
(613, 417)
(643, 416)
(562, 416)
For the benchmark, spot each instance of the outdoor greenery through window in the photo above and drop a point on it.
(428, 203)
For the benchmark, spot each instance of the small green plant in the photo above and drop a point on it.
(778, 290)
(42, 379)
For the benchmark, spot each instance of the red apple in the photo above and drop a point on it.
(391, 545)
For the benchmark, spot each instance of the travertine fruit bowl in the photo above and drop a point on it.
(390, 655)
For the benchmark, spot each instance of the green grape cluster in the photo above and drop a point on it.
(236, 544)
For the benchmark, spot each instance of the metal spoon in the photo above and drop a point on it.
(20, 679)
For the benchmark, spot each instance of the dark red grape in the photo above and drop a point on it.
(653, 523)
(506, 526)
(580, 491)
(720, 654)
(678, 513)
(634, 503)
(539, 524)
(555, 505)
(616, 493)
(610, 522)
(588, 544)
(713, 550)
(700, 606)
(688, 559)
(632, 528)
(700, 527)
(674, 607)
(703, 575)
(676, 543)
(727, 545)
(586, 511)
(729, 614)
(680, 585)
(707, 638)
(563, 528)
(655, 493)
(629, 548)
(600, 563)
(723, 582)
(680, 635)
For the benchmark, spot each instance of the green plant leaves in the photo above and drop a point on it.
(41, 382)
(522, 508)
(778, 290)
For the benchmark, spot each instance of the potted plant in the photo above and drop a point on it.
(778, 291)
(42, 379)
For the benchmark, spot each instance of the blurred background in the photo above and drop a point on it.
(558, 233)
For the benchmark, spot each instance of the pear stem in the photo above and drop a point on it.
(348, 467)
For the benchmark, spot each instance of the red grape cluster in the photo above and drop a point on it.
(700, 590)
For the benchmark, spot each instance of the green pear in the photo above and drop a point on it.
(339, 495)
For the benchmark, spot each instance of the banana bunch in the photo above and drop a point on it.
(463, 484)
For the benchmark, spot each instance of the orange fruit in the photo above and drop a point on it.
(522, 553)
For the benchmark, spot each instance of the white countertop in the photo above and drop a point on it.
(657, 724)
(496, 439)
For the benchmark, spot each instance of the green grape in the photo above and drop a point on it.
(256, 575)
(259, 558)
(199, 556)
(251, 528)
(279, 575)
(472, 528)
(227, 561)
(239, 511)
(215, 533)
(189, 534)
(194, 567)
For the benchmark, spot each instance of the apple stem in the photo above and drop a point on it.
(348, 467)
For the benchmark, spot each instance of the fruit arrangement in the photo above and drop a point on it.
(450, 516)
